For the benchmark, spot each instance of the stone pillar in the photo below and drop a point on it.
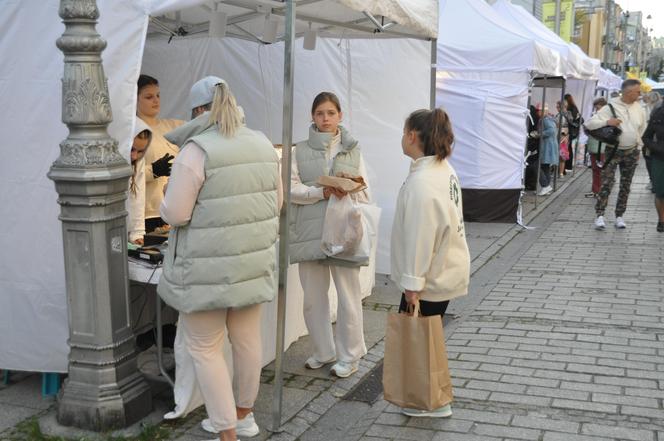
(104, 390)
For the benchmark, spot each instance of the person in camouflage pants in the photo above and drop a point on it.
(627, 161)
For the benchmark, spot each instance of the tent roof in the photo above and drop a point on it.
(577, 64)
(608, 80)
(493, 44)
(331, 18)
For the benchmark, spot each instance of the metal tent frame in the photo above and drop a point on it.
(367, 25)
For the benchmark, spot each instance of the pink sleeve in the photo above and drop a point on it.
(187, 177)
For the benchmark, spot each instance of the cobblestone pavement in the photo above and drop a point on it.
(568, 345)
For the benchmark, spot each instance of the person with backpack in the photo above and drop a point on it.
(631, 119)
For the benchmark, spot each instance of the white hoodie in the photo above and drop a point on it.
(136, 201)
(633, 124)
(429, 252)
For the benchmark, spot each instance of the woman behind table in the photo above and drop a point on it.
(223, 202)
(329, 150)
(136, 199)
(429, 259)
(157, 159)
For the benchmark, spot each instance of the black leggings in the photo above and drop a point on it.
(426, 308)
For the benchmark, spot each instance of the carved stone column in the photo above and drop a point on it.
(104, 389)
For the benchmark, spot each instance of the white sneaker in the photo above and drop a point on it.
(313, 363)
(343, 369)
(545, 190)
(441, 412)
(620, 223)
(599, 223)
(246, 427)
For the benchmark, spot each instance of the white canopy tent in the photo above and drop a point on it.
(483, 82)
(34, 320)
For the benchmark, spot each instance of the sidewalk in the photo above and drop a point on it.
(509, 343)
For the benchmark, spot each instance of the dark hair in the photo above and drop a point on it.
(146, 80)
(601, 100)
(571, 105)
(324, 97)
(145, 134)
(629, 83)
(434, 129)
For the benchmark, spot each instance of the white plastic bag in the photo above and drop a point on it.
(342, 229)
(340, 238)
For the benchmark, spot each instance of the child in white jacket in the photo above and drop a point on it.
(430, 258)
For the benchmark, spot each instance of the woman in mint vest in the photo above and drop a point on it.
(222, 202)
(330, 150)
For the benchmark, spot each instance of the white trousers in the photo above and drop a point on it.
(203, 335)
(315, 280)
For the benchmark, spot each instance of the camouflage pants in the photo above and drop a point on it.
(627, 161)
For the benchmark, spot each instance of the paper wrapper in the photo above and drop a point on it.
(347, 184)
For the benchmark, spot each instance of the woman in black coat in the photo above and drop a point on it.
(653, 139)
(574, 125)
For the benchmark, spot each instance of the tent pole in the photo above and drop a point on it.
(576, 145)
(540, 129)
(287, 134)
(560, 127)
(434, 62)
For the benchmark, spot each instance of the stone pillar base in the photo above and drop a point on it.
(106, 408)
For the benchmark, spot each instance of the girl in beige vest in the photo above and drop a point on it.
(329, 149)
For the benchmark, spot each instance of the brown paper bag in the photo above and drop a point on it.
(415, 371)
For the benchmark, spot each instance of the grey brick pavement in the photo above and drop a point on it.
(568, 345)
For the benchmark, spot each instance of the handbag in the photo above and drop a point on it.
(607, 134)
(415, 370)
(564, 150)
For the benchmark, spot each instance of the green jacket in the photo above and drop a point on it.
(306, 224)
(225, 257)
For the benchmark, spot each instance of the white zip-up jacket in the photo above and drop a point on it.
(633, 124)
(429, 252)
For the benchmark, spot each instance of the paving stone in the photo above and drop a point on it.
(505, 431)
(546, 423)
(401, 433)
(622, 433)
(482, 416)
(629, 400)
(558, 393)
(557, 436)
(584, 405)
(519, 399)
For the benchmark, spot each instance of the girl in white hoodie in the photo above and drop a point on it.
(430, 258)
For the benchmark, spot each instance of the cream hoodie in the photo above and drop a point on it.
(429, 251)
(633, 124)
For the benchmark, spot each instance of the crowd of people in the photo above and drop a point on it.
(551, 137)
(216, 185)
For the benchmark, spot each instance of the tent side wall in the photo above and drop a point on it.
(364, 74)
(489, 120)
(32, 284)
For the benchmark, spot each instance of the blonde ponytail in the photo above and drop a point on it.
(225, 112)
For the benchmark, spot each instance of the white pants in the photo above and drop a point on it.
(315, 280)
(204, 334)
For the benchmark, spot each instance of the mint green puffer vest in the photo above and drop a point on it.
(306, 226)
(226, 256)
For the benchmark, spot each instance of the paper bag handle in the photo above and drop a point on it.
(413, 309)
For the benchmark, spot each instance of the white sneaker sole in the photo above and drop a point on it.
(419, 414)
(247, 433)
(343, 374)
(318, 364)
